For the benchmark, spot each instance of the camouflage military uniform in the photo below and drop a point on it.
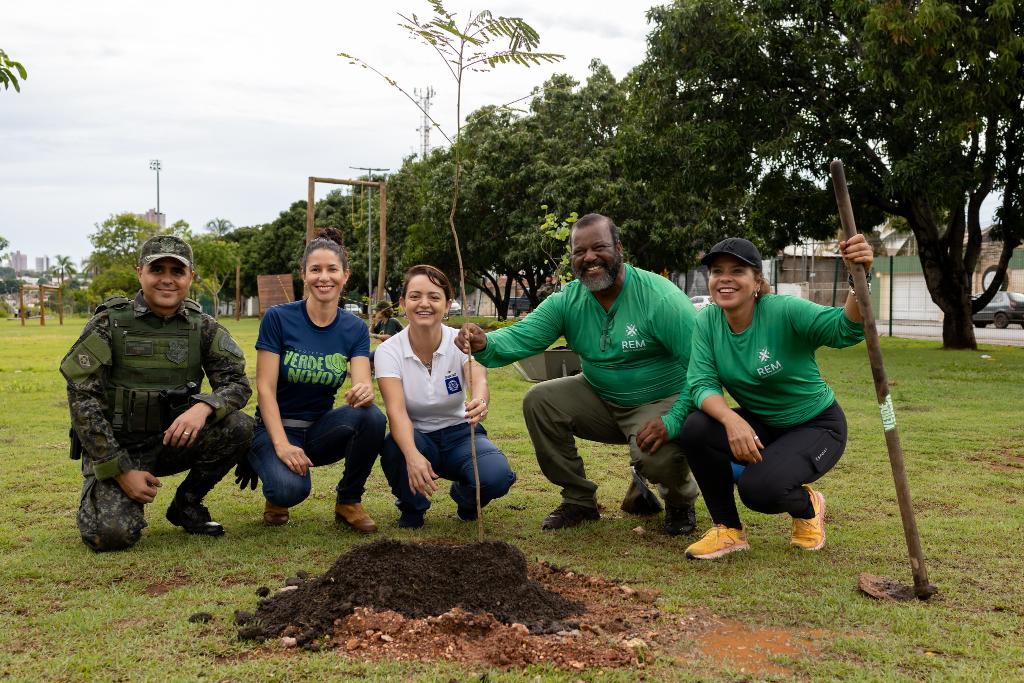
(107, 518)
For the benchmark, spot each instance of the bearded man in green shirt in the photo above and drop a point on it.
(631, 329)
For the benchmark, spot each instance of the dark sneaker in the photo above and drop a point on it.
(680, 520)
(466, 514)
(410, 520)
(194, 518)
(569, 515)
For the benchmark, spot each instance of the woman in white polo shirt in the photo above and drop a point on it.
(422, 377)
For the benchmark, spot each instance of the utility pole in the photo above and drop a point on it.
(424, 97)
(369, 237)
(154, 165)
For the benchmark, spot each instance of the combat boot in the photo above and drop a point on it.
(188, 512)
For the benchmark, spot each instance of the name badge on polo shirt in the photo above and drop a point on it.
(452, 383)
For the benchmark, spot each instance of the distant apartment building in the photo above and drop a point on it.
(19, 261)
(153, 217)
(42, 264)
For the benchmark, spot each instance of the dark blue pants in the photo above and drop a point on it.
(448, 451)
(354, 434)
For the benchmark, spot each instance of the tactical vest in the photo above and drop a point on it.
(149, 354)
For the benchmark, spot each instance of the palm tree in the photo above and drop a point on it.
(219, 226)
(64, 266)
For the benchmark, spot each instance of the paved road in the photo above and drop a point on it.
(1010, 336)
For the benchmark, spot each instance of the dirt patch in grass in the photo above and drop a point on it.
(752, 650)
(480, 603)
(1004, 461)
(177, 579)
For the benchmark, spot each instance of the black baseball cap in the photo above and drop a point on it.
(736, 247)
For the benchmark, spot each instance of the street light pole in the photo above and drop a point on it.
(155, 166)
(369, 238)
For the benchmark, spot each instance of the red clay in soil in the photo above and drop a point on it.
(483, 604)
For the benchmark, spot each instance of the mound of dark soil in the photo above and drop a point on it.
(415, 581)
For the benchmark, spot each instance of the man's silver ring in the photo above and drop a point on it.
(187, 433)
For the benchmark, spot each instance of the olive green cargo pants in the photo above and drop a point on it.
(559, 410)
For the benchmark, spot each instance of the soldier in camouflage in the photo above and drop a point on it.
(133, 378)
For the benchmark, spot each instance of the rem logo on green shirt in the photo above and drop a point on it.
(315, 368)
(632, 344)
(769, 366)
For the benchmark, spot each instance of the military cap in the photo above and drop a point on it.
(165, 246)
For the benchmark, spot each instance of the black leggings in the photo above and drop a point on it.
(792, 456)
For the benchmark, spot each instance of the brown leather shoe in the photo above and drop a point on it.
(353, 515)
(274, 515)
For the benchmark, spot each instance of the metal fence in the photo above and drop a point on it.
(899, 296)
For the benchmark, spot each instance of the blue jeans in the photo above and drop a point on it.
(448, 451)
(354, 434)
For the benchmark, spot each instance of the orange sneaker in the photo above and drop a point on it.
(717, 541)
(809, 534)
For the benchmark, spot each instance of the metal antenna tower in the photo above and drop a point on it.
(425, 98)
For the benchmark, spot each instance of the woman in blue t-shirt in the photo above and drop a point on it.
(305, 350)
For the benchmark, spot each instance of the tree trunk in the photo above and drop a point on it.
(942, 279)
(947, 279)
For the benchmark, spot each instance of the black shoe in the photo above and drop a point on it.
(680, 520)
(568, 515)
(466, 514)
(193, 517)
(410, 520)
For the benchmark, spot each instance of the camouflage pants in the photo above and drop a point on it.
(109, 520)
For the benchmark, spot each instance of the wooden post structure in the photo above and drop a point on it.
(382, 189)
(238, 289)
(60, 302)
(42, 307)
(21, 304)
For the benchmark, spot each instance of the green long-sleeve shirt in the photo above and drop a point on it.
(770, 367)
(635, 353)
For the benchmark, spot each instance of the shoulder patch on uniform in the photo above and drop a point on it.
(227, 343)
(85, 358)
(192, 305)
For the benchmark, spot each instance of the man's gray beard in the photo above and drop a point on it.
(599, 283)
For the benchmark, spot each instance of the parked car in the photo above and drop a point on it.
(1005, 308)
(354, 309)
(700, 301)
(518, 305)
(456, 308)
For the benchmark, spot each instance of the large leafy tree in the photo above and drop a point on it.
(215, 260)
(559, 156)
(276, 247)
(741, 105)
(466, 45)
(117, 241)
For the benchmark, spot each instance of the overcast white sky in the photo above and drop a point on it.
(241, 101)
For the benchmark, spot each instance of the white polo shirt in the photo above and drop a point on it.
(434, 400)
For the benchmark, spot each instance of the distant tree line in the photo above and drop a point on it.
(725, 128)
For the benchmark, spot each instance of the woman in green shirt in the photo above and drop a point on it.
(789, 430)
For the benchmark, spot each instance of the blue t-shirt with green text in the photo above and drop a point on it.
(313, 360)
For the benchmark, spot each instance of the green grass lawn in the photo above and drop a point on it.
(69, 614)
